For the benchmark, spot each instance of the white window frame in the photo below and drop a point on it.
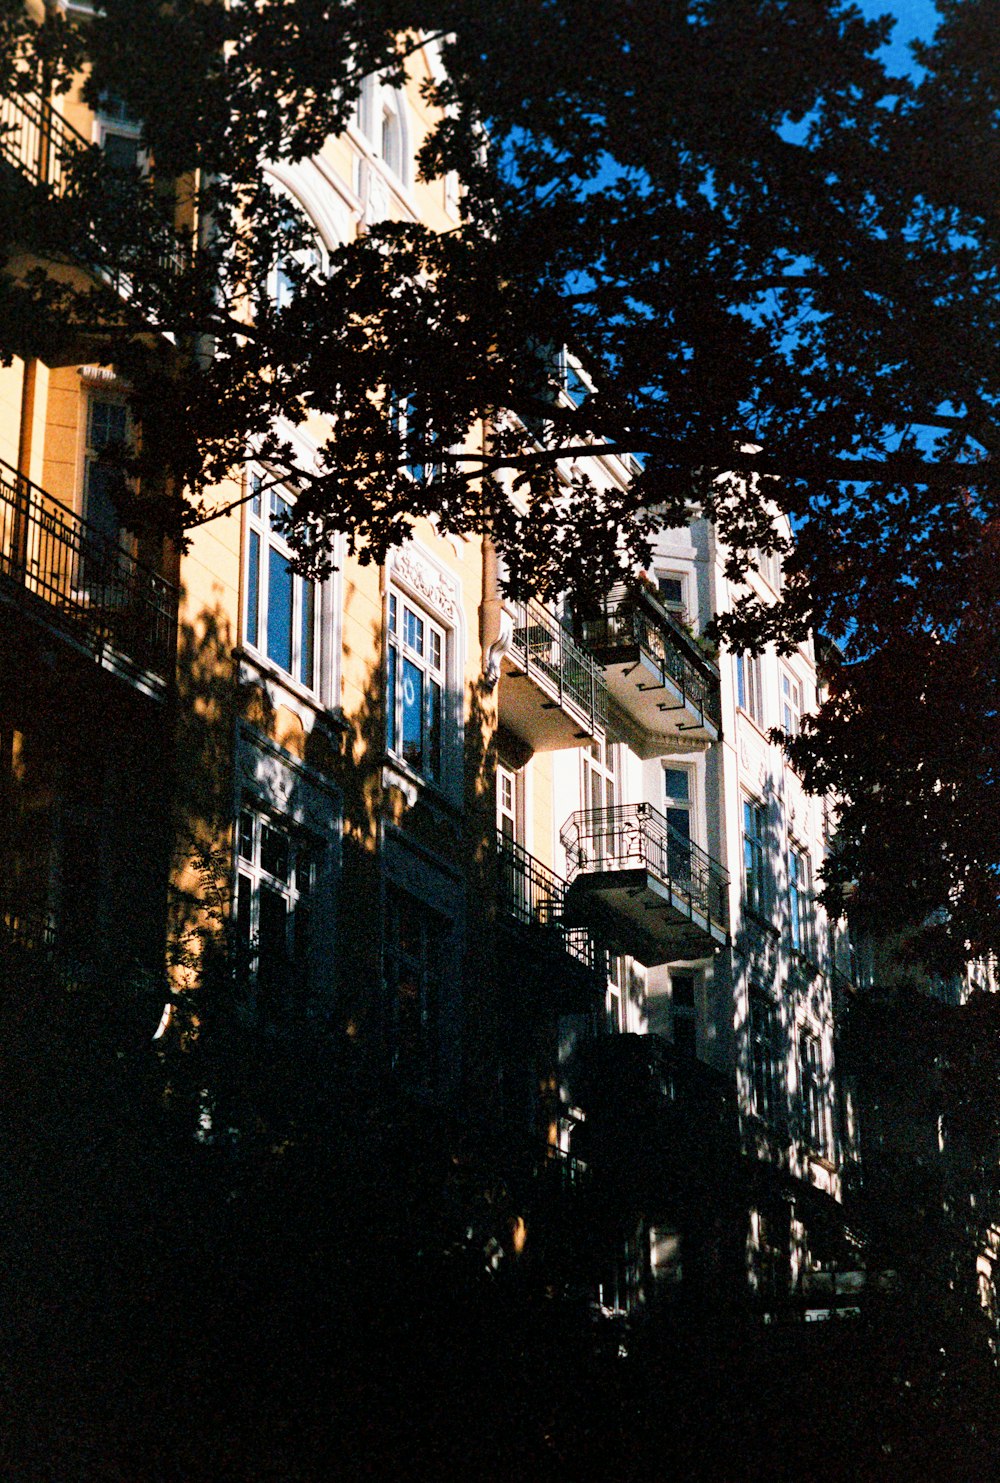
(261, 539)
(801, 919)
(767, 1092)
(678, 608)
(414, 637)
(815, 1109)
(792, 702)
(91, 456)
(510, 803)
(757, 899)
(298, 888)
(750, 687)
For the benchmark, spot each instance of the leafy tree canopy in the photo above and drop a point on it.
(777, 262)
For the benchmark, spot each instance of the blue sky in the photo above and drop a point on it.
(914, 18)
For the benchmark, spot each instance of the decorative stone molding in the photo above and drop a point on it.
(497, 650)
(434, 587)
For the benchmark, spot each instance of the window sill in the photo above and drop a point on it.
(758, 726)
(754, 919)
(255, 666)
(397, 773)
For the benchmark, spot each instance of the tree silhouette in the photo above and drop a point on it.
(774, 262)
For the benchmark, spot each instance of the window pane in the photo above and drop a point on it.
(272, 951)
(307, 633)
(435, 649)
(274, 852)
(434, 729)
(413, 712)
(279, 610)
(392, 612)
(392, 740)
(255, 482)
(413, 631)
(678, 781)
(682, 990)
(246, 835)
(253, 590)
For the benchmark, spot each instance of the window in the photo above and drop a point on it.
(281, 606)
(768, 565)
(800, 906)
(120, 137)
(678, 787)
(749, 687)
(791, 703)
(811, 1091)
(277, 876)
(508, 803)
(294, 263)
(415, 947)
(765, 1084)
(617, 1000)
(415, 687)
(670, 586)
(754, 856)
(108, 432)
(683, 1012)
(601, 792)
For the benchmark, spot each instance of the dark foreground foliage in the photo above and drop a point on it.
(324, 1300)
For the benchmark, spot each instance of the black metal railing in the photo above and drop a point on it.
(49, 154)
(28, 938)
(637, 836)
(549, 652)
(534, 895)
(636, 620)
(83, 579)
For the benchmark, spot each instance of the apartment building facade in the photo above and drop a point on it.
(543, 870)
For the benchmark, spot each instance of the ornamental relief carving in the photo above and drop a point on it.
(437, 590)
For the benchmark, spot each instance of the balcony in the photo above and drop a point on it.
(656, 896)
(655, 671)
(552, 694)
(60, 571)
(560, 965)
(73, 208)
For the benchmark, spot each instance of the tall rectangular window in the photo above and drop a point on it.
(766, 1088)
(277, 875)
(281, 607)
(811, 1092)
(800, 902)
(749, 686)
(678, 788)
(684, 1023)
(415, 686)
(108, 432)
(755, 892)
(791, 703)
(415, 961)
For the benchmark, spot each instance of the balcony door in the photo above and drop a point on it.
(601, 795)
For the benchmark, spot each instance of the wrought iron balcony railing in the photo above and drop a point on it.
(545, 649)
(49, 154)
(534, 895)
(83, 580)
(636, 620)
(637, 837)
(28, 937)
